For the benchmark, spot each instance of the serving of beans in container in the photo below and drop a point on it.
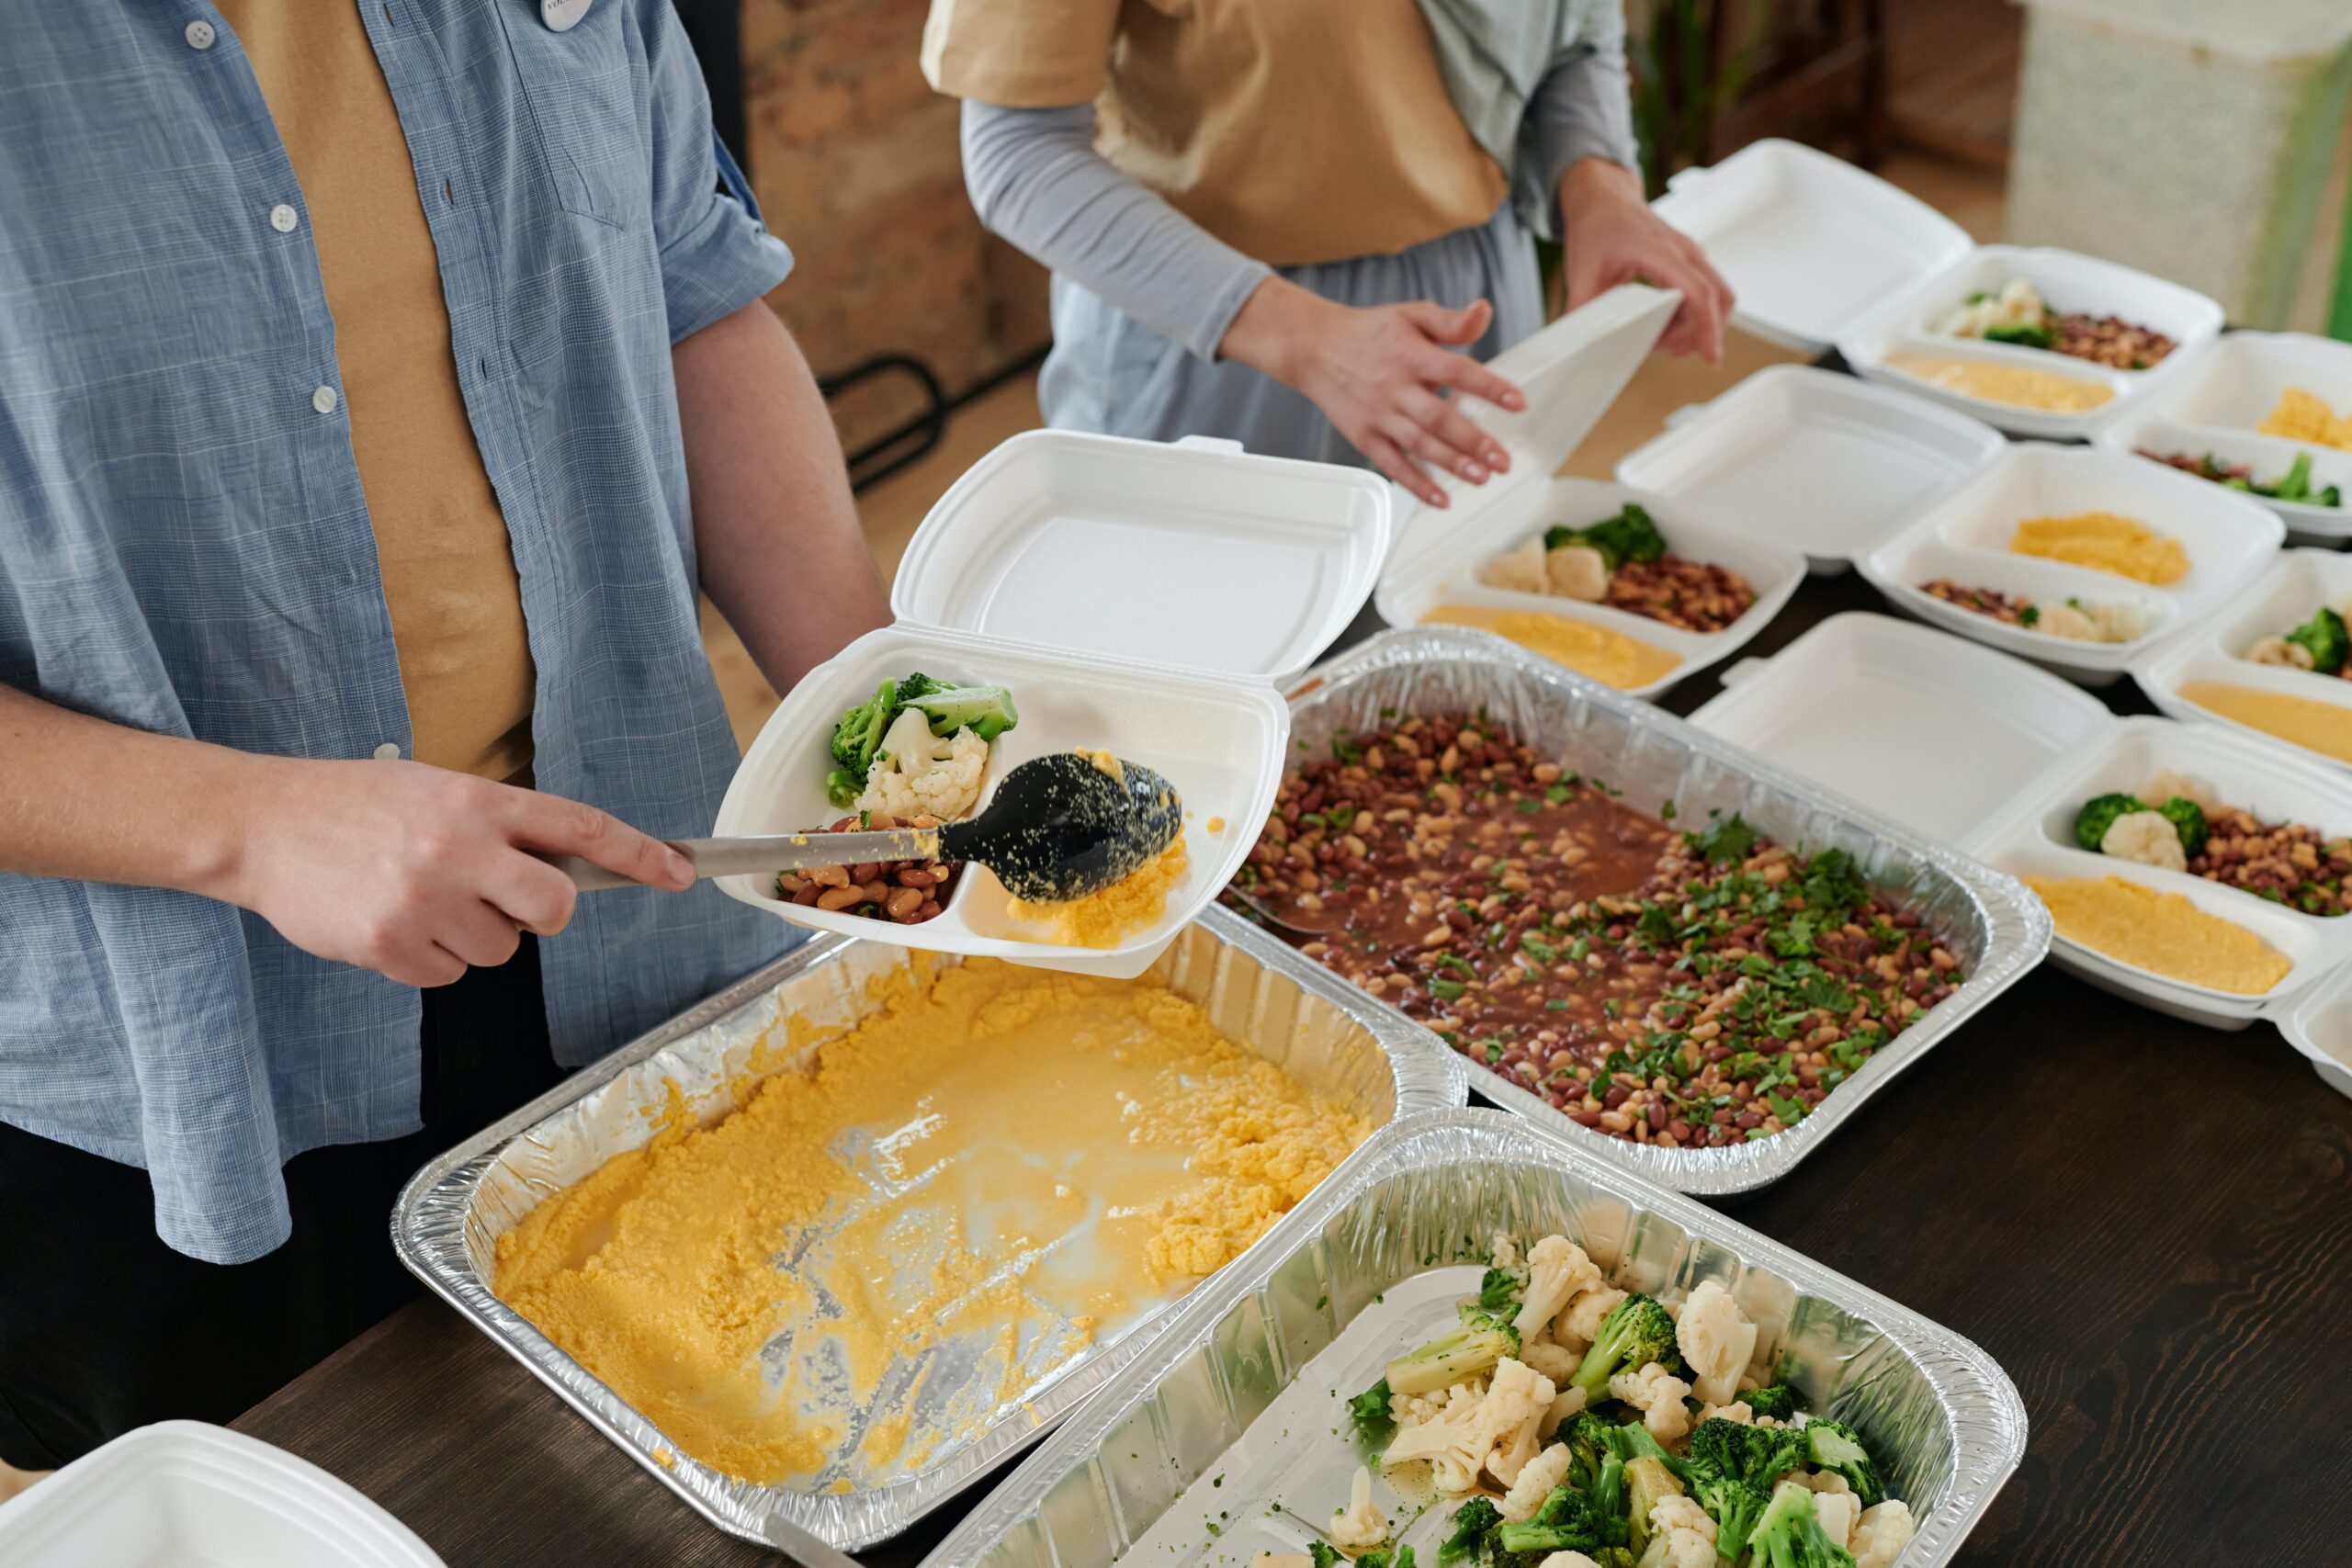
(907, 891)
(1688, 988)
(2286, 863)
(1693, 595)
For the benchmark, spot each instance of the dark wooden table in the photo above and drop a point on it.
(2148, 1224)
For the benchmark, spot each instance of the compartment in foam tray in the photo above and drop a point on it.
(1966, 536)
(1994, 757)
(2296, 583)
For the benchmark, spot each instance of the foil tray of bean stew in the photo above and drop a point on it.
(1700, 963)
(1940, 1414)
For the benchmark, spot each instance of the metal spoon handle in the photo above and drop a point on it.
(769, 854)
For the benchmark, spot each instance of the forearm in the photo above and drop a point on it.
(1036, 179)
(776, 528)
(1581, 111)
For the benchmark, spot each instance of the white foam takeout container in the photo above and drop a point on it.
(1995, 757)
(1145, 597)
(2296, 583)
(2224, 390)
(185, 1493)
(1571, 372)
(1817, 460)
(2320, 1026)
(2069, 281)
(1966, 535)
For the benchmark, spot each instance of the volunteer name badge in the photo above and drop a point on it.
(562, 15)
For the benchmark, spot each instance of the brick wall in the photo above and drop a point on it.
(855, 163)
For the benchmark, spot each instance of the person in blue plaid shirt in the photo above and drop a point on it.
(380, 380)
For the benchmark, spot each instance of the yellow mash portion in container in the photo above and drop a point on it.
(2316, 726)
(1611, 658)
(2105, 541)
(2306, 416)
(1017, 1161)
(2018, 385)
(2160, 931)
(1129, 906)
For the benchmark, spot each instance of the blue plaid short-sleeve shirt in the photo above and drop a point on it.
(183, 545)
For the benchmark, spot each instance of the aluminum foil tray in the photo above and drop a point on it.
(1944, 1420)
(1990, 920)
(445, 1227)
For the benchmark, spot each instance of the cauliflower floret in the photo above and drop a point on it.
(1579, 1321)
(1716, 1338)
(1737, 1411)
(1836, 1511)
(2278, 651)
(2167, 784)
(2116, 620)
(1658, 1395)
(1554, 1362)
(1567, 1560)
(1823, 1482)
(1455, 1441)
(1360, 1525)
(1409, 1409)
(1517, 1401)
(1577, 572)
(917, 772)
(1536, 1479)
(2065, 620)
(1880, 1534)
(1556, 1270)
(1506, 1252)
(1682, 1536)
(2145, 838)
(1520, 571)
(1564, 1404)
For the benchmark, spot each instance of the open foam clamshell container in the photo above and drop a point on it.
(1995, 757)
(1229, 1436)
(1817, 460)
(1138, 596)
(1965, 537)
(2224, 390)
(1571, 372)
(2296, 584)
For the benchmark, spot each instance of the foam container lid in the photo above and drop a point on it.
(1142, 596)
(1995, 757)
(182, 1493)
(1571, 372)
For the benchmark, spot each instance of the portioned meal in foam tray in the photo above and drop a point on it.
(2272, 661)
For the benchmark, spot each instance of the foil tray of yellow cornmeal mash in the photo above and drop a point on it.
(828, 1246)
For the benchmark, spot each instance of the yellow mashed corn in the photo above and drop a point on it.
(2316, 725)
(2163, 933)
(2306, 416)
(2016, 385)
(1128, 907)
(2105, 541)
(1016, 1161)
(1611, 658)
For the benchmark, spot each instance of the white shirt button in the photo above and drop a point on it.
(389, 751)
(323, 399)
(283, 218)
(199, 34)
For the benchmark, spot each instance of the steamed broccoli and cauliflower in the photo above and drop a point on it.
(1581, 1426)
(917, 748)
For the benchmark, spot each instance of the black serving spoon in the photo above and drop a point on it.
(1061, 826)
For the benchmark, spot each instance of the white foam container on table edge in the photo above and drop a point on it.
(2224, 390)
(2320, 1026)
(1824, 462)
(2297, 582)
(1147, 597)
(1995, 757)
(1965, 536)
(2067, 281)
(1571, 372)
(183, 1492)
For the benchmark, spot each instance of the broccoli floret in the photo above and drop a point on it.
(1586, 1434)
(986, 711)
(2296, 483)
(1789, 1534)
(1779, 1401)
(1647, 1481)
(1735, 1505)
(1636, 1332)
(2025, 334)
(1731, 1472)
(1631, 535)
(1614, 1557)
(1398, 1556)
(2098, 814)
(1531, 1541)
(1323, 1554)
(1478, 1343)
(1500, 1291)
(1838, 1448)
(857, 739)
(2188, 819)
(1471, 1522)
(1368, 1412)
(1633, 1440)
(2324, 636)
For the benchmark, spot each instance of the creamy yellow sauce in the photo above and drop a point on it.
(2301, 415)
(997, 1168)
(2105, 541)
(2316, 725)
(1128, 907)
(2162, 933)
(2018, 385)
(1611, 658)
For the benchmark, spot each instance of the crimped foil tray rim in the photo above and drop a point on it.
(1987, 1415)
(428, 1234)
(2018, 924)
